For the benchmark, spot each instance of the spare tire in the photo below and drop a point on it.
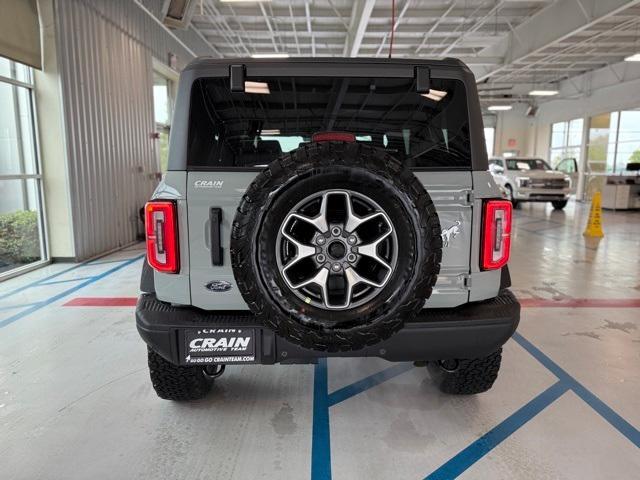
(335, 245)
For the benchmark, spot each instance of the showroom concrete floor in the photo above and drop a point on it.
(76, 401)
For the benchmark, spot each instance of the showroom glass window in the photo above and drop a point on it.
(22, 237)
(614, 141)
(163, 101)
(489, 138)
(566, 141)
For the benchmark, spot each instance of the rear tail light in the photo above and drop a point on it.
(496, 235)
(162, 236)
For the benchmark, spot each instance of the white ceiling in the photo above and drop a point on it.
(512, 46)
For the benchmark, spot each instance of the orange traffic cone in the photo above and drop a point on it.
(594, 225)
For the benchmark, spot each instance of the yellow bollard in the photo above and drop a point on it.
(594, 225)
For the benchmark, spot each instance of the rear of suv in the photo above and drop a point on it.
(326, 208)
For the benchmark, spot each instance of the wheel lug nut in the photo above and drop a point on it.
(336, 267)
(352, 239)
(321, 240)
(335, 231)
(351, 257)
(321, 258)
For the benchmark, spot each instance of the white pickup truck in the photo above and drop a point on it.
(527, 179)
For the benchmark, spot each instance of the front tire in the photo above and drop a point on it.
(174, 382)
(468, 377)
(514, 202)
(559, 204)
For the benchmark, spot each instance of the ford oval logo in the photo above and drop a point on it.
(218, 286)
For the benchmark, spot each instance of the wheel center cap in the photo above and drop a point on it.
(337, 250)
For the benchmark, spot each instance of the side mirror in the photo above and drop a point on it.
(496, 169)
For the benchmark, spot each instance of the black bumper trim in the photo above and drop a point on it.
(469, 331)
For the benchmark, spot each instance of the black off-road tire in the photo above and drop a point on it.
(559, 204)
(470, 377)
(330, 165)
(174, 382)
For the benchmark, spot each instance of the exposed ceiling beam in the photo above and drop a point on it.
(293, 28)
(360, 15)
(607, 77)
(474, 28)
(268, 23)
(615, 87)
(307, 12)
(434, 26)
(552, 24)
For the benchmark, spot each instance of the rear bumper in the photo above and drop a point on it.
(469, 331)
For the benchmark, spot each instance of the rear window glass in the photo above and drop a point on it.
(276, 115)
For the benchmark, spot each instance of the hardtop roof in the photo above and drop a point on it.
(204, 62)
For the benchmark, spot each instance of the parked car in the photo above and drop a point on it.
(326, 208)
(528, 179)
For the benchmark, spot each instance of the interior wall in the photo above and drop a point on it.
(513, 131)
(105, 52)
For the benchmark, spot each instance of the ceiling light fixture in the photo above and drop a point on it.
(270, 55)
(267, 132)
(543, 93)
(499, 108)
(633, 58)
(257, 87)
(435, 95)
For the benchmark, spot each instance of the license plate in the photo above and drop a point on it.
(219, 345)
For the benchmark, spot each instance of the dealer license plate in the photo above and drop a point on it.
(219, 345)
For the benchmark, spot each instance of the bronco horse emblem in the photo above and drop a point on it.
(450, 233)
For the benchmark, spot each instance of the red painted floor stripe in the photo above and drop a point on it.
(525, 302)
(102, 302)
(581, 303)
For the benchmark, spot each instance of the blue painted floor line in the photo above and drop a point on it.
(69, 291)
(606, 412)
(483, 445)
(38, 282)
(104, 262)
(49, 277)
(368, 382)
(487, 442)
(321, 441)
(13, 307)
(66, 280)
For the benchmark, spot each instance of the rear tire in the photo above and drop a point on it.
(470, 377)
(559, 204)
(173, 382)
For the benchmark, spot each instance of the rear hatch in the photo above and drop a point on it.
(233, 135)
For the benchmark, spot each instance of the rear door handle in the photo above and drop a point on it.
(215, 220)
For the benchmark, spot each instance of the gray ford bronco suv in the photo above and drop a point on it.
(326, 208)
